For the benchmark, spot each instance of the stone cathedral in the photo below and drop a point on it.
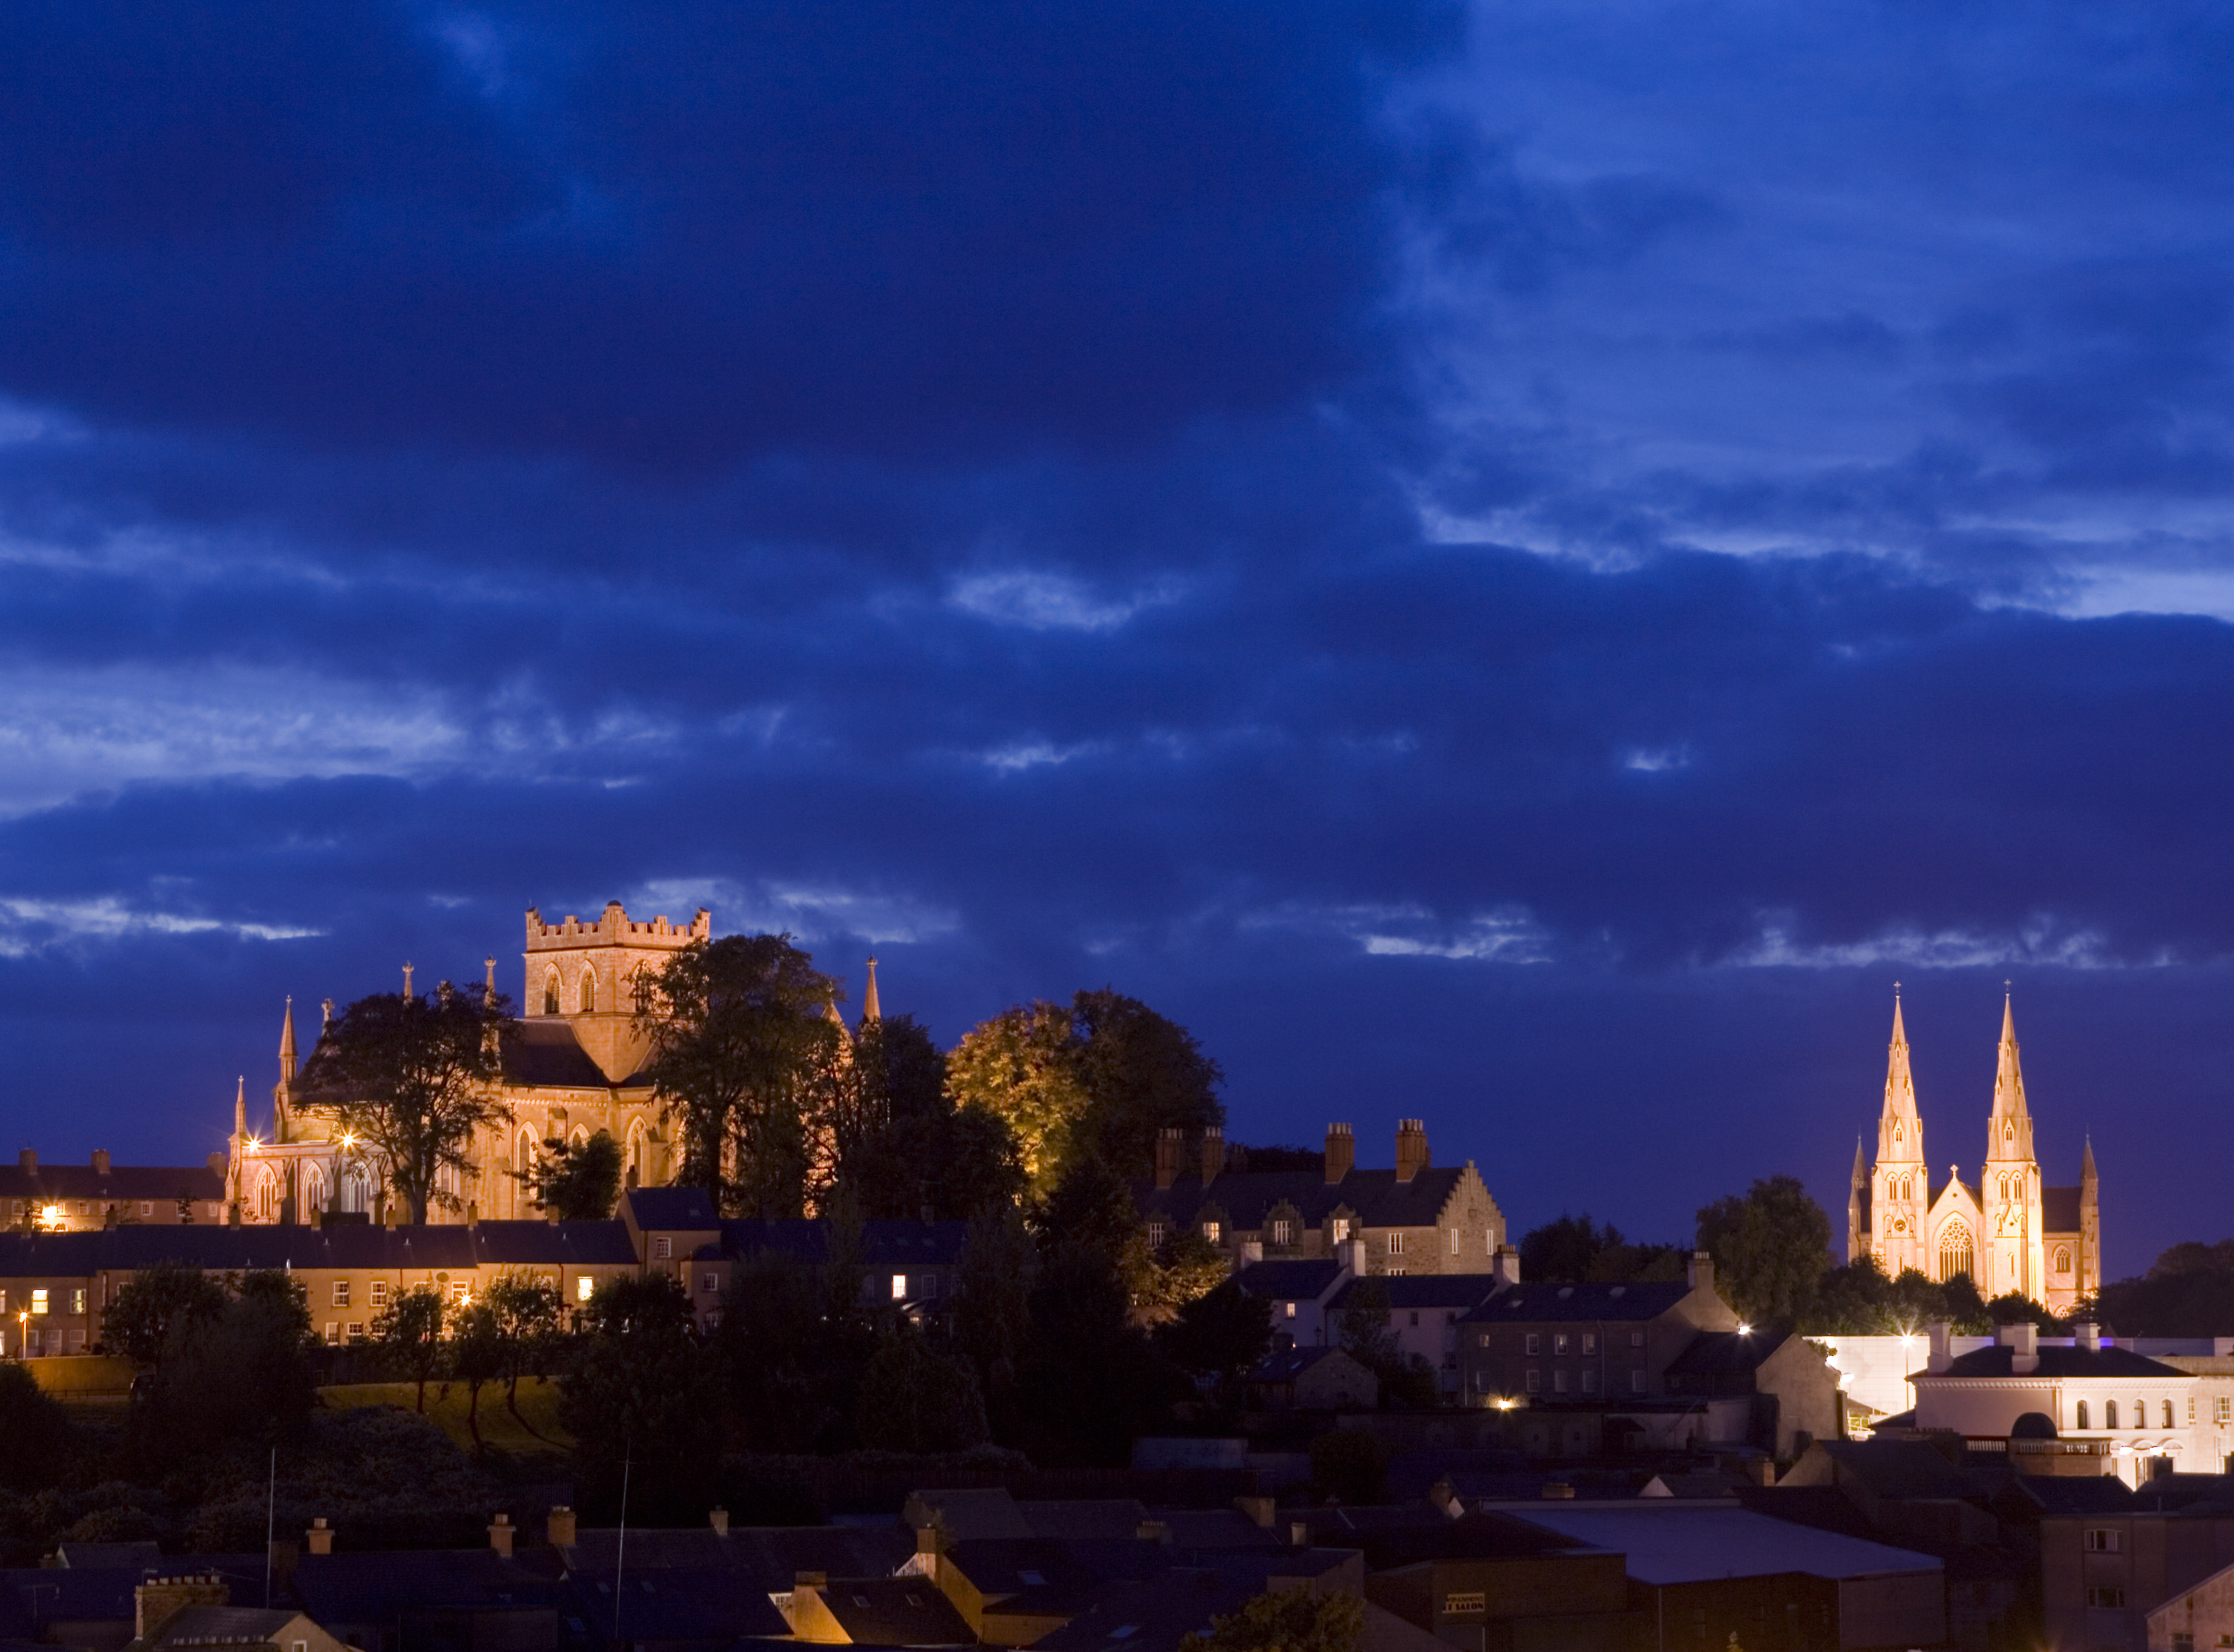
(2006, 1231)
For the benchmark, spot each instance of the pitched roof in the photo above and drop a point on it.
(354, 1244)
(571, 1244)
(1896, 1468)
(1528, 1305)
(1726, 1353)
(2076, 1493)
(895, 1611)
(1285, 1365)
(885, 1243)
(1670, 1542)
(1292, 1281)
(1998, 1362)
(545, 1056)
(1150, 1617)
(2059, 1210)
(674, 1208)
(1427, 1289)
(714, 1605)
(1247, 1198)
(771, 1558)
(118, 1182)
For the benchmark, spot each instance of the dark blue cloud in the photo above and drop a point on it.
(1518, 567)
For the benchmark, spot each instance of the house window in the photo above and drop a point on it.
(927, 1286)
(380, 1293)
(2063, 1258)
(1454, 1242)
(333, 1334)
(1637, 1381)
(709, 1283)
(1287, 1310)
(2080, 1416)
(2225, 1408)
(77, 1306)
(1535, 1343)
(1283, 1231)
(457, 1290)
(1340, 1229)
(1155, 1236)
(2106, 1596)
(355, 1330)
(341, 1293)
(1589, 1342)
(1590, 1381)
(2167, 1404)
(1535, 1380)
(1396, 1244)
(899, 1287)
(582, 1286)
(38, 1302)
(1559, 1379)
(147, 1207)
(2101, 1540)
(1559, 1342)
(1211, 1230)
(1636, 1339)
(664, 1247)
(2109, 1414)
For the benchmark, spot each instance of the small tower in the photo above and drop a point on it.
(870, 1011)
(2090, 1226)
(1900, 1191)
(287, 1044)
(2009, 1184)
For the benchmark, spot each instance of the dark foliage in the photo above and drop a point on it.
(640, 1401)
(578, 1181)
(1573, 1249)
(2188, 1291)
(1142, 1073)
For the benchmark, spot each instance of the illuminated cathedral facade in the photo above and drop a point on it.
(2007, 1230)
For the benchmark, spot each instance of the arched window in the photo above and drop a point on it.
(357, 1189)
(314, 1192)
(2063, 1258)
(638, 1154)
(522, 1158)
(589, 991)
(2081, 1413)
(551, 993)
(267, 1195)
(2140, 1413)
(2109, 1414)
(2167, 1413)
(2008, 1132)
(1955, 1255)
(640, 989)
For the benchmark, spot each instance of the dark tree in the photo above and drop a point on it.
(1563, 1251)
(1089, 1213)
(410, 1330)
(156, 1309)
(1223, 1334)
(1090, 1382)
(412, 1078)
(523, 1313)
(1292, 1620)
(793, 1342)
(744, 1048)
(915, 1149)
(578, 1180)
(2188, 1291)
(638, 1396)
(1771, 1250)
(476, 1358)
(1142, 1073)
(245, 1375)
(34, 1431)
(992, 1309)
(916, 1398)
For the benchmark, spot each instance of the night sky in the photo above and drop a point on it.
(1515, 565)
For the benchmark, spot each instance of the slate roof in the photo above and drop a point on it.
(1150, 1617)
(714, 1605)
(895, 1611)
(769, 1557)
(1526, 1304)
(1289, 1281)
(672, 1208)
(2070, 1494)
(377, 1588)
(1670, 1542)
(1427, 1289)
(1896, 1468)
(1998, 1362)
(885, 1243)
(214, 1248)
(1714, 1353)
(1374, 1198)
(545, 1056)
(2059, 1210)
(1285, 1365)
(571, 1245)
(118, 1182)
(204, 1624)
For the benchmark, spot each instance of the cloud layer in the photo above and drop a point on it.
(1515, 565)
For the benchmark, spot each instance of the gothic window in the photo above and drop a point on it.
(2008, 1132)
(2109, 1414)
(2081, 1421)
(640, 989)
(1896, 1132)
(1954, 1254)
(551, 993)
(314, 1190)
(267, 1196)
(2063, 1258)
(589, 992)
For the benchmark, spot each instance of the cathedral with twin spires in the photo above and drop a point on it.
(2006, 1231)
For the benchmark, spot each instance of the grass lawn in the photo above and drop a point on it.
(538, 1404)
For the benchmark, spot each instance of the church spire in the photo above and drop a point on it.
(870, 1011)
(240, 1108)
(2008, 1132)
(2087, 1177)
(1900, 1131)
(287, 1044)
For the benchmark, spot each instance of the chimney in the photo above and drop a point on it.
(1171, 1145)
(809, 1580)
(319, 1539)
(100, 1161)
(28, 1159)
(2023, 1338)
(501, 1534)
(154, 1601)
(1942, 1355)
(1213, 1154)
(1411, 1148)
(1152, 1532)
(2087, 1334)
(1699, 1273)
(1341, 1152)
(558, 1527)
(1505, 1267)
(1299, 1534)
(719, 1519)
(1761, 1471)
(1260, 1510)
(1443, 1498)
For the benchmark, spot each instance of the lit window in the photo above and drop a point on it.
(1288, 1310)
(1396, 1244)
(1155, 1236)
(899, 1287)
(1589, 1342)
(77, 1306)
(1211, 1230)
(1283, 1231)
(582, 1288)
(380, 1293)
(662, 1247)
(38, 1302)
(1340, 1229)
(341, 1293)
(1559, 1342)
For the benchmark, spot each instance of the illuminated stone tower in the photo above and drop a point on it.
(1899, 1191)
(2008, 1186)
(591, 974)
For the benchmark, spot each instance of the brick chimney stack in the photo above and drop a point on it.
(28, 1161)
(501, 1534)
(1411, 1148)
(1341, 1152)
(1213, 1154)
(100, 1161)
(558, 1527)
(1699, 1272)
(319, 1539)
(1171, 1147)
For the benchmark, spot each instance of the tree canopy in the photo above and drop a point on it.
(1771, 1247)
(578, 1181)
(1293, 1620)
(411, 1077)
(1572, 1249)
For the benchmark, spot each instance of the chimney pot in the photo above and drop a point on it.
(810, 1580)
(501, 1534)
(1170, 1147)
(1699, 1274)
(2087, 1334)
(1411, 1148)
(100, 1161)
(1213, 1154)
(1299, 1534)
(1941, 1332)
(319, 1539)
(1505, 1266)
(558, 1527)
(719, 1519)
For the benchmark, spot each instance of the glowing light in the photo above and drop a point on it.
(1504, 1404)
(1745, 1330)
(53, 1214)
